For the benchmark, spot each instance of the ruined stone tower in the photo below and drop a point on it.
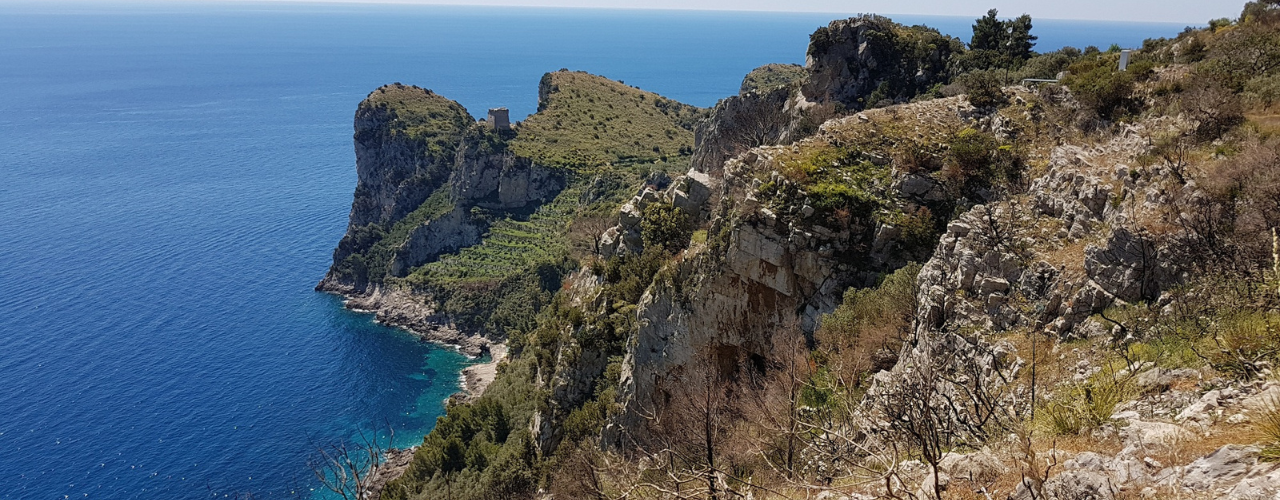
(499, 119)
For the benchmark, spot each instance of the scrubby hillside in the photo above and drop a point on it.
(584, 121)
(956, 287)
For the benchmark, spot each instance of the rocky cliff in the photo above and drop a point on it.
(460, 232)
(858, 288)
(423, 165)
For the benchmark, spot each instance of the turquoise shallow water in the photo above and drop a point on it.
(173, 180)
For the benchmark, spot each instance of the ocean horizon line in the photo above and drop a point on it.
(51, 6)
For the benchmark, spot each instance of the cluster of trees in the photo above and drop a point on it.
(999, 44)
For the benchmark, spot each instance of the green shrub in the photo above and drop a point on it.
(628, 276)
(1102, 89)
(1267, 422)
(1245, 342)
(864, 333)
(983, 88)
(584, 421)
(1048, 65)
(973, 151)
(1214, 107)
(1264, 90)
(665, 226)
(1084, 406)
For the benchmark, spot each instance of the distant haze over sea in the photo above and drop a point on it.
(175, 180)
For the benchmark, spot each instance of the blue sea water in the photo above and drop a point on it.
(173, 180)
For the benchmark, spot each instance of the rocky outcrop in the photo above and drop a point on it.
(401, 308)
(444, 234)
(767, 279)
(404, 143)
(997, 252)
(741, 122)
(480, 178)
(483, 177)
(691, 193)
(849, 63)
(412, 144)
(863, 59)
(771, 76)
(396, 167)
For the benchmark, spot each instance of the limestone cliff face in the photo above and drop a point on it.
(741, 122)
(492, 179)
(1077, 243)
(772, 264)
(395, 171)
(765, 272)
(404, 143)
(422, 165)
(447, 233)
(481, 177)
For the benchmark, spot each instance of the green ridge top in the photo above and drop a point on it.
(420, 112)
(585, 121)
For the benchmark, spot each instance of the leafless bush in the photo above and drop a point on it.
(348, 467)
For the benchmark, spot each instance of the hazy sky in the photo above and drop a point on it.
(1179, 11)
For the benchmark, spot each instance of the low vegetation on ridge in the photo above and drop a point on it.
(586, 121)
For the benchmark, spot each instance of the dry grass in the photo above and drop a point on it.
(1185, 451)
(1266, 423)
(1266, 123)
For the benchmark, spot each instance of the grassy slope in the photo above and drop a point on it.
(588, 121)
(772, 76)
(421, 113)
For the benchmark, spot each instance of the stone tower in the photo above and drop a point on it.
(499, 119)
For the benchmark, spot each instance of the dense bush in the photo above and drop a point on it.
(863, 335)
(1244, 52)
(1264, 90)
(1214, 107)
(1084, 406)
(999, 44)
(628, 276)
(665, 226)
(1102, 89)
(1047, 66)
(983, 88)
(977, 161)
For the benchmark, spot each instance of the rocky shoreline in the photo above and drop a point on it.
(476, 378)
(401, 309)
(396, 461)
(404, 310)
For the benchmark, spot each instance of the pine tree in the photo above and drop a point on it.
(988, 32)
(1004, 43)
(1020, 40)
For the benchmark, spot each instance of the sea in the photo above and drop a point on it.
(174, 177)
